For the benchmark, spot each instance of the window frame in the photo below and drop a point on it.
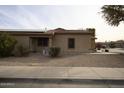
(71, 43)
(42, 42)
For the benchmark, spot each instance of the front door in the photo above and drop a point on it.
(39, 43)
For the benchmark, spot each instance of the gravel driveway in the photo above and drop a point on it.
(83, 60)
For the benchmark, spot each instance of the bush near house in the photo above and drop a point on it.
(7, 44)
(54, 51)
(21, 51)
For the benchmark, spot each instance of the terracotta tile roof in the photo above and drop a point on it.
(64, 31)
(56, 30)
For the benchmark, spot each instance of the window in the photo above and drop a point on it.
(43, 42)
(71, 43)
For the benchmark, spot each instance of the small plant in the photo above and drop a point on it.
(54, 51)
(21, 51)
(106, 50)
(7, 44)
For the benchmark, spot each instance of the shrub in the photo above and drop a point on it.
(106, 50)
(7, 44)
(21, 51)
(54, 51)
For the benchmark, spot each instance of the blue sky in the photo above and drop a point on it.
(54, 16)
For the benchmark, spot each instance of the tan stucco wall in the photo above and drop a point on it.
(93, 44)
(23, 40)
(27, 42)
(82, 43)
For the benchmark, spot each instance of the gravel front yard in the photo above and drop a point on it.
(83, 60)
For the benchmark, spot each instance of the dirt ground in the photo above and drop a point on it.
(82, 60)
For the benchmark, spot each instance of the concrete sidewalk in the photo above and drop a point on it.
(37, 72)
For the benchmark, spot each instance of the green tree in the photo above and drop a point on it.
(7, 44)
(113, 14)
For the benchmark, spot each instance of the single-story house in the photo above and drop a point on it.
(70, 41)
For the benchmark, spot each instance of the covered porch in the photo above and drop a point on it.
(38, 44)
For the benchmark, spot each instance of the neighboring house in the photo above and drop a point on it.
(70, 41)
(112, 44)
(119, 44)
